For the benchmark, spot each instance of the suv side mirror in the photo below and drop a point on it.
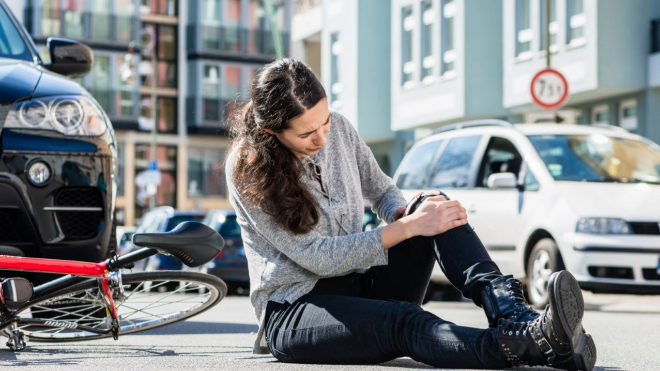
(502, 180)
(68, 57)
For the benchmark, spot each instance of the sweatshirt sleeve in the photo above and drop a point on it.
(321, 255)
(377, 187)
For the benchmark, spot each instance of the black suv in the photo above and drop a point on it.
(57, 152)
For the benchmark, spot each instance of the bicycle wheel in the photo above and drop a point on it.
(148, 300)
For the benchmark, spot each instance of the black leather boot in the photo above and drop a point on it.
(556, 337)
(504, 298)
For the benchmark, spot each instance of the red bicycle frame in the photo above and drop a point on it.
(75, 268)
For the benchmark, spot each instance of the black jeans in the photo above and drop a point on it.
(376, 316)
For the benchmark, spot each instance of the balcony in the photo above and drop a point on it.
(117, 103)
(222, 40)
(93, 27)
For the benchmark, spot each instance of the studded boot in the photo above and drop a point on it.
(503, 298)
(556, 337)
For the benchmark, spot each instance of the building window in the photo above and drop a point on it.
(100, 83)
(600, 114)
(628, 114)
(211, 105)
(162, 7)
(427, 40)
(448, 53)
(167, 114)
(163, 39)
(524, 32)
(655, 36)
(554, 25)
(210, 24)
(206, 172)
(74, 19)
(232, 19)
(231, 89)
(124, 16)
(101, 20)
(51, 17)
(125, 96)
(576, 20)
(335, 83)
(407, 64)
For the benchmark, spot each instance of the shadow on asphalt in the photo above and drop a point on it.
(39, 354)
(196, 327)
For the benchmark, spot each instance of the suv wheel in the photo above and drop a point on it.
(542, 262)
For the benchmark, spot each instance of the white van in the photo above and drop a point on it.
(544, 197)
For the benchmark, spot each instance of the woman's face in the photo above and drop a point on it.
(307, 133)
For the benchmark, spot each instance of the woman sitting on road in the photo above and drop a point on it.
(326, 292)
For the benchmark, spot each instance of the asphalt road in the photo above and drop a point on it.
(626, 330)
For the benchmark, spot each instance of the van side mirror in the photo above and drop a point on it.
(69, 57)
(502, 180)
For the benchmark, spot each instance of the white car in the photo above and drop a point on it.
(543, 197)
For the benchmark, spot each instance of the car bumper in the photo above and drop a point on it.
(614, 263)
(69, 218)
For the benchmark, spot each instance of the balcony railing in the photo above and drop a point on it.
(78, 24)
(234, 39)
(213, 115)
(117, 103)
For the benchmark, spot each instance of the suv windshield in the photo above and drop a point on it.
(599, 158)
(12, 44)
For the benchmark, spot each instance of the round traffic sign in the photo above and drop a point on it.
(549, 88)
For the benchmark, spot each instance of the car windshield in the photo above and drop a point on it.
(12, 44)
(178, 219)
(599, 158)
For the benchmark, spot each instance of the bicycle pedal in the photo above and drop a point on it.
(15, 292)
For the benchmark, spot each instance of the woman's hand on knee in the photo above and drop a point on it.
(437, 215)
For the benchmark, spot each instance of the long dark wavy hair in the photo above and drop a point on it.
(266, 172)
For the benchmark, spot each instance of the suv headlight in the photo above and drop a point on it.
(71, 115)
(602, 226)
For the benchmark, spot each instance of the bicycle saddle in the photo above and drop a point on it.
(193, 243)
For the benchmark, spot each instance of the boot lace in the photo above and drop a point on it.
(516, 293)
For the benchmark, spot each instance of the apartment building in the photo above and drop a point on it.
(205, 52)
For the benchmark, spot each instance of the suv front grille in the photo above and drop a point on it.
(8, 232)
(652, 228)
(79, 225)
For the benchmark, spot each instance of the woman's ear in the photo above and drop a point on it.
(269, 131)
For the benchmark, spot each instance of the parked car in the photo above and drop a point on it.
(58, 152)
(544, 197)
(161, 219)
(231, 264)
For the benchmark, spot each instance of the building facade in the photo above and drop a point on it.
(347, 44)
(461, 59)
(456, 60)
(181, 66)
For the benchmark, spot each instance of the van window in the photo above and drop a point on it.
(501, 157)
(415, 166)
(452, 170)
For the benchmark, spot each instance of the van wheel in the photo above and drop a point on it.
(542, 262)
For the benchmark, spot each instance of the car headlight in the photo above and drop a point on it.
(71, 115)
(602, 226)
